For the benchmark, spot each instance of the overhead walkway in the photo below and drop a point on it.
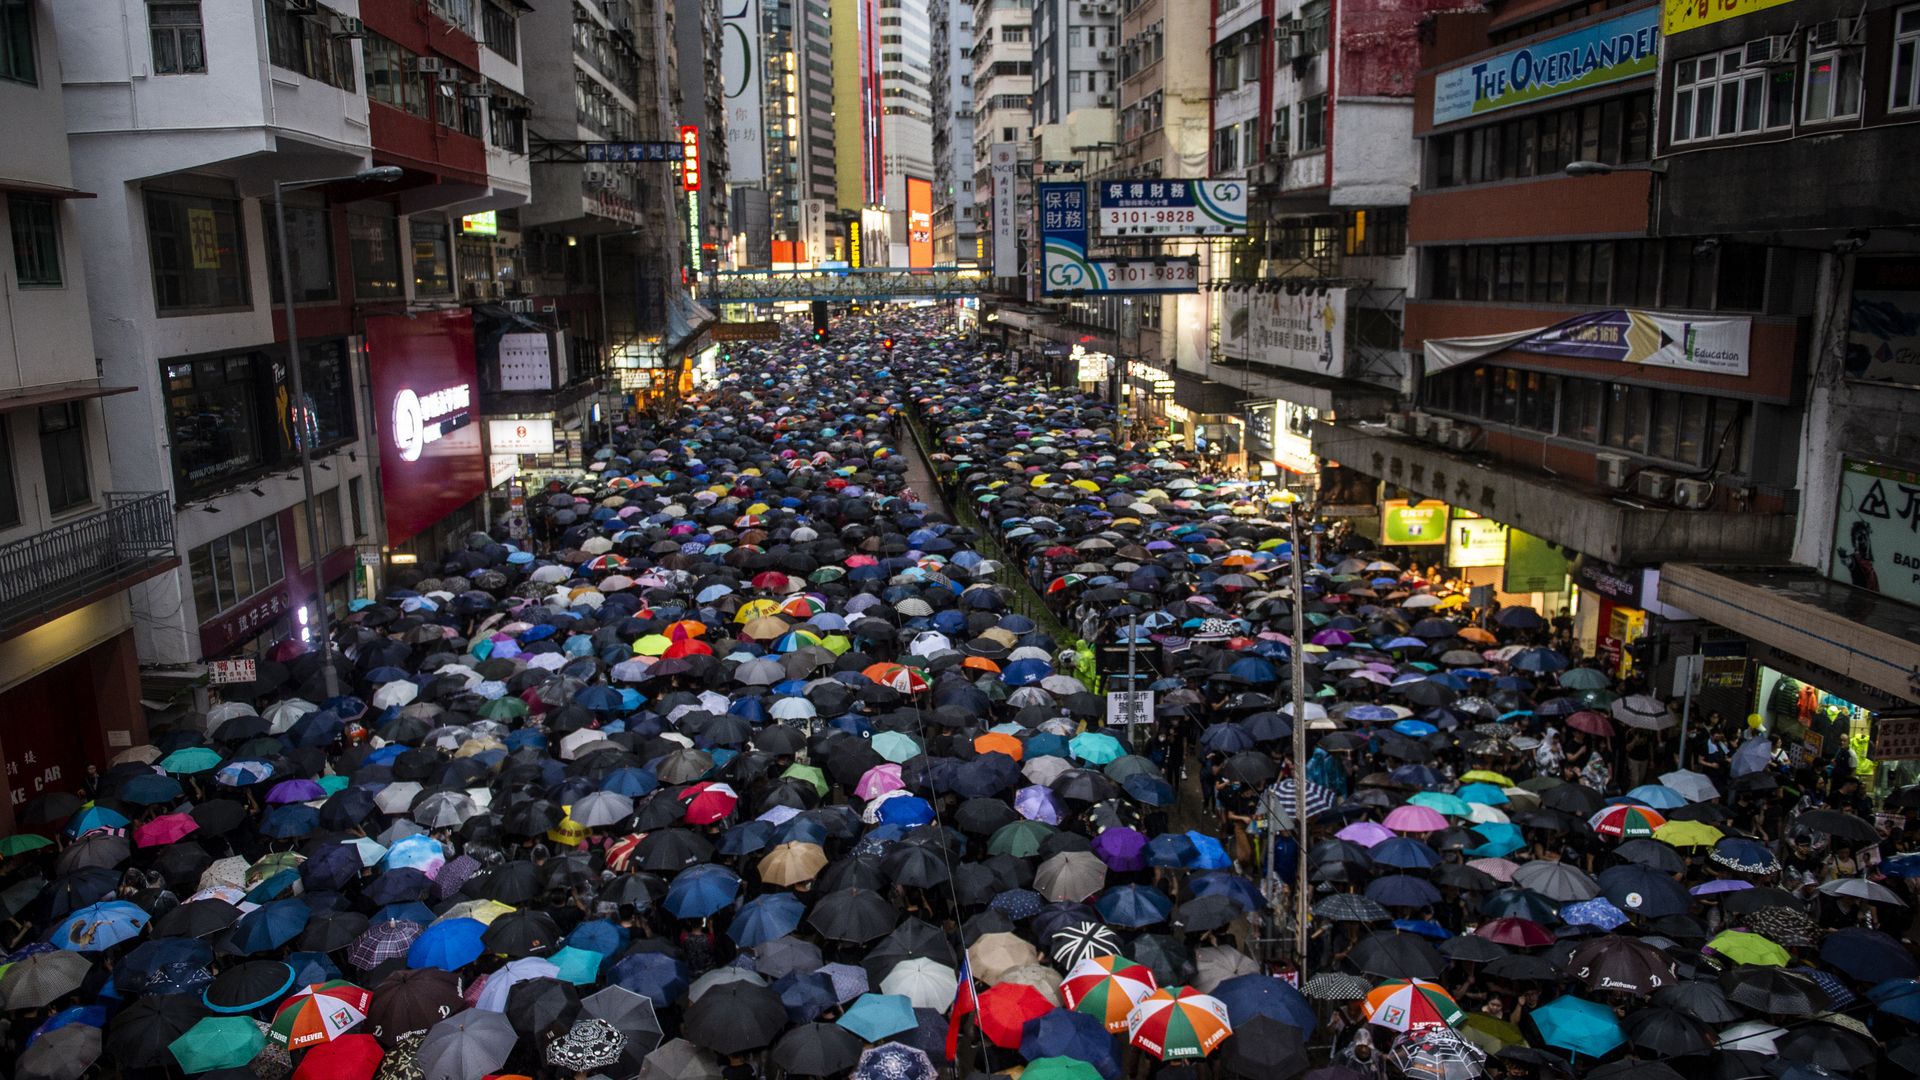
(870, 285)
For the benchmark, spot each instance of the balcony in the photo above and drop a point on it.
(86, 558)
(1557, 507)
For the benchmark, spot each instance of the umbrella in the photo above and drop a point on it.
(735, 1017)
(218, 1042)
(633, 1015)
(1621, 963)
(1175, 1023)
(1577, 1025)
(1004, 1011)
(876, 1016)
(319, 1013)
(1773, 991)
(1405, 1006)
(817, 1049)
(1435, 1054)
(41, 978)
(466, 1046)
(1666, 1032)
(1083, 940)
(64, 1053)
(1107, 988)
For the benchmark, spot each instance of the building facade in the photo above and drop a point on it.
(1003, 115)
(955, 226)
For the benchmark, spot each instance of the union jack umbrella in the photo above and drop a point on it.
(1082, 941)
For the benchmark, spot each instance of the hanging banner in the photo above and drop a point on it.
(1714, 344)
(1004, 163)
(1534, 564)
(526, 362)
(919, 223)
(1173, 207)
(1876, 530)
(1307, 332)
(1403, 524)
(1596, 55)
(1684, 15)
(740, 63)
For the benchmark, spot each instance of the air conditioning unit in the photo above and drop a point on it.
(1460, 437)
(1767, 51)
(1440, 430)
(1833, 33)
(1401, 422)
(1691, 494)
(1610, 471)
(1103, 9)
(1105, 101)
(427, 65)
(1106, 54)
(1653, 484)
(348, 26)
(1420, 423)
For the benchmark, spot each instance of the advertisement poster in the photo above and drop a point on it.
(1173, 207)
(526, 362)
(1403, 524)
(1307, 332)
(740, 36)
(919, 223)
(1883, 338)
(1534, 564)
(1876, 531)
(1713, 344)
(1475, 541)
(423, 375)
(1004, 162)
(1067, 268)
(1607, 52)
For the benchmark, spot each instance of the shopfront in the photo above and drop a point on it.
(1618, 605)
(253, 586)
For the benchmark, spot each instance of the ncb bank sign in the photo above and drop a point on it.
(1592, 56)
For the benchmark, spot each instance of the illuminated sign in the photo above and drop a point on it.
(1475, 541)
(520, 436)
(694, 261)
(484, 223)
(419, 420)
(1406, 525)
(853, 244)
(919, 222)
(690, 157)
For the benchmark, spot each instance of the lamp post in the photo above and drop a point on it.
(1297, 656)
(384, 174)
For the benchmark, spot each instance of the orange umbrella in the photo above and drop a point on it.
(1475, 634)
(684, 629)
(999, 742)
(980, 663)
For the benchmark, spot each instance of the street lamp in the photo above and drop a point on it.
(1298, 657)
(384, 174)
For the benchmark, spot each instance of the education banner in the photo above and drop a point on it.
(1715, 344)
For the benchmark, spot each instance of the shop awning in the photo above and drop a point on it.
(52, 191)
(686, 318)
(1326, 393)
(1867, 638)
(32, 397)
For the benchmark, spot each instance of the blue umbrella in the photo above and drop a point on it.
(1401, 890)
(99, 926)
(908, 810)
(1658, 796)
(1025, 672)
(603, 936)
(1423, 927)
(1226, 738)
(268, 927)
(805, 994)
(1134, 905)
(702, 890)
(1171, 850)
(280, 884)
(1069, 1034)
(150, 789)
(631, 781)
(745, 838)
(1484, 794)
(1406, 853)
(1239, 889)
(1253, 669)
(1501, 838)
(1869, 956)
(765, 918)
(875, 1016)
(1577, 1025)
(1208, 853)
(449, 945)
(1538, 660)
(1248, 996)
(290, 821)
(1598, 912)
(1153, 791)
(660, 977)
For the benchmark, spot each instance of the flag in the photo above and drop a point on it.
(964, 1002)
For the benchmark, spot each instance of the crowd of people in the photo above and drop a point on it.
(762, 762)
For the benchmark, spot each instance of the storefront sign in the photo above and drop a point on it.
(223, 672)
(1173, 207)
(764, 330)
(1128, 707)
(1403, 524)
(1876, 530)
(1533, 564)
(1068, 268)
(853, 245)
(1883, 339)
(741, 35)
(526, 362)
(245, 622)
(501, 468)
(1307, 332)
(1003, 159)
(1684, 15)
(1475, 541)
(1706, 343)
(520, 436)
(1622, 585)
(1896, 738)
(690, 163)
(1091, 366)
(431, 462)
(484, 223)
(695, 261)
(1607, 52)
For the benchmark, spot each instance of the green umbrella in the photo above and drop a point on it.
(191, 759)
(895, 747)
(506, 708)
(1745, 948)
(1019, 839)
(1584, 679)
(22, 843)
(218, 1042)
(808, 773)
(1059, 1068)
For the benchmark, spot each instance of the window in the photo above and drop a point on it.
(63, 455)
(391, 78)
(1614, 131)
(1627, 418)
(213, 420)
(1906, 60)
(506, 125)
(36, 240)
(198, 252)
(173, 28)
(1833, 85)
(310, 247)
(9, 495)
(326, 508)
(306, 45)
(499, 30)
(375, 244)
(1313, 118)
(1581, 403)
(236, 566)
(16, 42)
(1717, 95)
(1226, 149)
(356, 503)
(432, 257)
(329, 386)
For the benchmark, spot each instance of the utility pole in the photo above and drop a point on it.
(1298, 656)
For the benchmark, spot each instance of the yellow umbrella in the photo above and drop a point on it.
(1485, 776)
(568, 831)
(652, 645)
(1039, 480)
(754, 609)
(479, 910)
(1688, 834)
(1086, 485)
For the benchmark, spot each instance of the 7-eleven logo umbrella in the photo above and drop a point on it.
(1411, 1005)
(1177, 1022)
(1107, 987)
(319, 1013)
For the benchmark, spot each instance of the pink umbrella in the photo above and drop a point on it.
(1415, 819)
(879, 780)
(1497, 869)
(164, 829)
(1366, 833)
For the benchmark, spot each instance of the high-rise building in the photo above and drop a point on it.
(906, 104)
(702, 107)
(955, 229)
(780, 124)
(1076, 49)
(1003, 107)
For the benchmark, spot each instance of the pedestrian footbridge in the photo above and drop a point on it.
(864, 285)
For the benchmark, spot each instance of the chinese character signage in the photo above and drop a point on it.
(1307, 332)
(632, 151)
(1403, 524)
(689, 157)
(1173, 207)
(1607, 52)
(203, 234)
(740, 38)
(919, 222)
(1004, 161)
(1067, 268)
(1876, 530)
(1684, 15)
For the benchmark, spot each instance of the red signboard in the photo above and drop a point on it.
(424, 387)
(919, 222)
(690, 157)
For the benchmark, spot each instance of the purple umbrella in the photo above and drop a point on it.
(1122, 848)
(1036, 803)
(1366, 833)
(295, 791)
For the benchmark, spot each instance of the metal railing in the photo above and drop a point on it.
(40, 572)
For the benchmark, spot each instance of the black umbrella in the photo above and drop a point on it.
(521, 933)
(197, 919)
(248, 986)
(854, 915)
(141, 1032)
(1773, 991)
(1698, 998)
(410, 1000)
(1667, 1032)
(1829, 1046)
(817, 1050)
(1264, 1048)
(1837, 824)
(330, 930)
(1621, 963)
(537, 1005)
(735, 1017)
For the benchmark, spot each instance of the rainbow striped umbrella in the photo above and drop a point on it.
(1107, 987)
(1411, 1005)
(1178, 1022)
(1625, 821)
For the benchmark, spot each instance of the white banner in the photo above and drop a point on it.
(1004, 160)
(520, 436)
(1307, 332)
(1714, 344)
(740, 62)
(1128, 707)
(526, 362)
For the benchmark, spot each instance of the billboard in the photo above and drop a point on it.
(1534, 564)
(1876, 530)
(1883, 332)
(690, 163)
(1403, 524)
(1475, 541)
(424, 382)
(919, 222)
(1004, 162)
(1066, 266)
(740, 68)
(1714, 344)
(520, 436)
(1596, 55)
(1307, 332)
(1173, 207)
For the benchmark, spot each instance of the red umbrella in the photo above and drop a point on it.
(709, 802)
(165, 829)
(1590, 722)
(1520, 933)
(287, 650)
(1005, 1010)
(349, 1057)
(688, 647)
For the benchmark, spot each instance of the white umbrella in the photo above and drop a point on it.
(1643, 712)
(551, 574)
(929, 643)
(793, 708)
(493, 996)
(1755, 1035)
(282, 715)
(396, 798)
(399, 692)
(601, 808)
(1691, 785)
(1861, 889)
(929, 984)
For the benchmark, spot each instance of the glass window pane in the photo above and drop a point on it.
(198, 252)
(1637, 405)
(310, 254)
(206, 594)
(1691, 445)
(375, 245)
(212, 419)
(222, 558)
(1665, 425)
(36, 240)
(257, 556)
